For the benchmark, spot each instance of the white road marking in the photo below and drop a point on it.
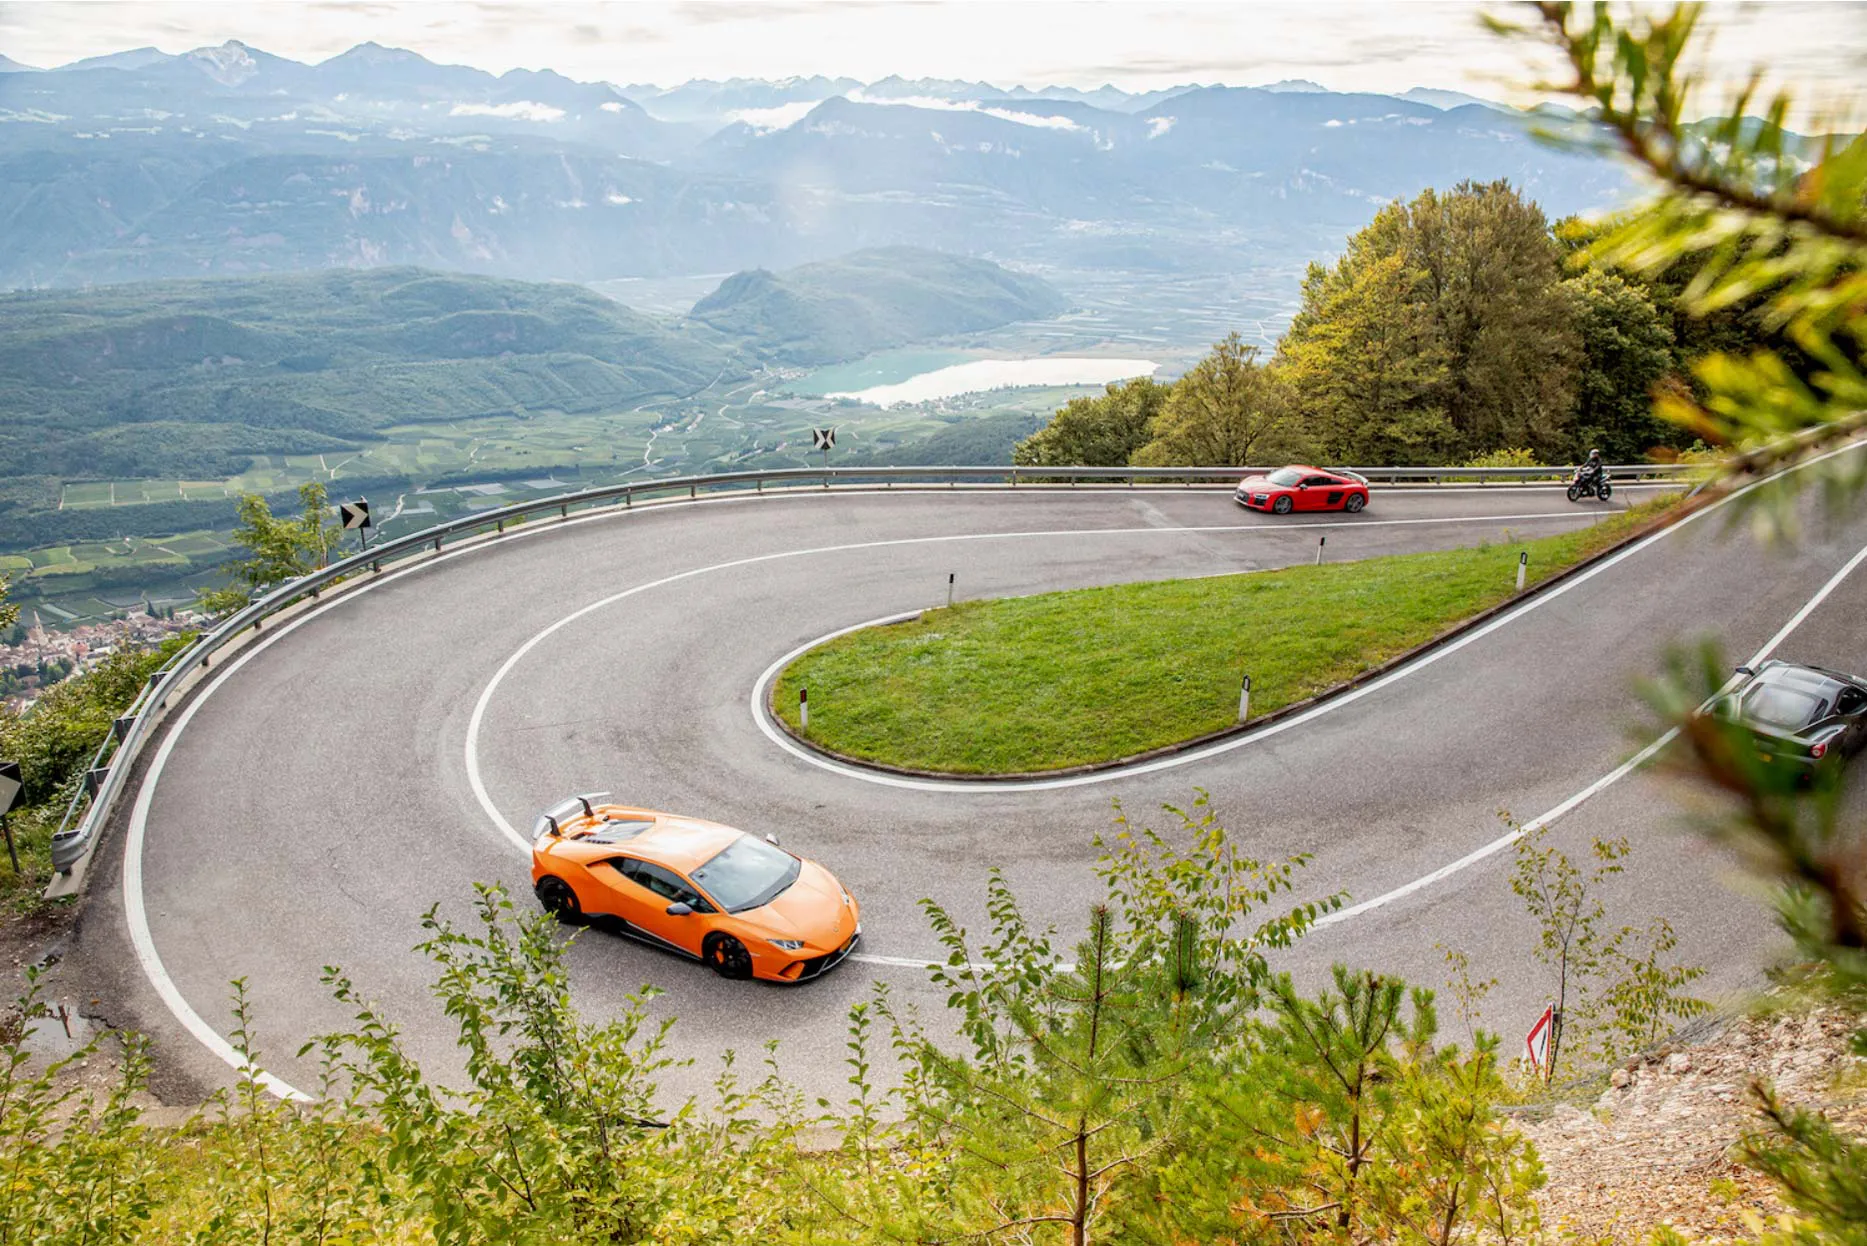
(1605, 781)
(136, 914)
(474, 723)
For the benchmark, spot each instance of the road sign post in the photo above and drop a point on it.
(949, 589)
(356, 515)
(1244, 699)
(1540, 1042)
(11, 785)
(1523, 566)
(1322, 541)
(803, 710)
(822, 439)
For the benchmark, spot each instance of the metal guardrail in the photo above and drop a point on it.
(111, 767)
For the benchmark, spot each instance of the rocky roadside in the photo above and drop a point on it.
(1657, 1149)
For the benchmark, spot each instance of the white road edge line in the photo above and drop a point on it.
(136, 915)
(1605, 781)
(478, 784)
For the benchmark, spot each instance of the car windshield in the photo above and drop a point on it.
(1774, 705)
(1285, 476)
(749, 873)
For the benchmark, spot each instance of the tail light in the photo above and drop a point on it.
(1818, 750)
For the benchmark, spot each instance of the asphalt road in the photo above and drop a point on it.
(320, 793)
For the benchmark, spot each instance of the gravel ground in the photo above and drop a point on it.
(1658, 1147)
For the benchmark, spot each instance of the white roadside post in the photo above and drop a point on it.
(1244, 699)
(1523, 565)
(1319, 544)
(949, 588)
(803, 709)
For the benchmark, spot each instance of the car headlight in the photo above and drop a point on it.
(789, 945)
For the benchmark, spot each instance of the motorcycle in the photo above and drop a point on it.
(1582, 485)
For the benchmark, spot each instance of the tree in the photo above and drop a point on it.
(1490, 275)
(1370, 370)
(1615, 990)
(1228, 411)
(1097, 432)
(282, 549)
(1627, 349)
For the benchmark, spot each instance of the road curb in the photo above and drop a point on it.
(1676, 514)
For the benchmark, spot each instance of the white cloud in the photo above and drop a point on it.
(1157, 126)
(940, 105)
(612, 106)
(781, 117)
(1331, 125)
(520, 110)
(616, 198)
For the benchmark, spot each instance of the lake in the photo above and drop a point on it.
(978, 375)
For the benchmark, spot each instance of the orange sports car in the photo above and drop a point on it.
(745, 906)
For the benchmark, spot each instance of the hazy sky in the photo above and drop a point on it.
(1137, 45)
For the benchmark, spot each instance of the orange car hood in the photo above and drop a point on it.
(811, 909)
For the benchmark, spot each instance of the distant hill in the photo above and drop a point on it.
(190, 378)
(870, 300)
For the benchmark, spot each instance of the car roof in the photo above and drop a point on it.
(1807, 678)
(680, 843)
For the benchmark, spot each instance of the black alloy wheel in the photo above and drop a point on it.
(727, 957)
(1282, 505)
(1575, 493)
(1354, 504)
(1607, 491)
(558, 899)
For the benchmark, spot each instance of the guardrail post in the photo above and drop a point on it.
(628, 499)
(502, 527)
(564, 511)
(437, 544)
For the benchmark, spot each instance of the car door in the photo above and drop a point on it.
(657, 887)
(1315, 495)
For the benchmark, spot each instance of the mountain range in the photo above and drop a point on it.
(229, 160)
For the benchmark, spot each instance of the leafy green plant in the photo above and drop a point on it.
(1615, 990)
(73, 1166)
(281, 549)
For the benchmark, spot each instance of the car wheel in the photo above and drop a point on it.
(1355, 502)
(727, 957)
(558, 899)
(1282, 505)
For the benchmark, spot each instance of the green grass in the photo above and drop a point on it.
(1090, 675)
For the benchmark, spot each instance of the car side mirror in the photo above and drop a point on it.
(1746, 670)
(679, 909)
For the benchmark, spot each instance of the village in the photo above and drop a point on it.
(43, 656)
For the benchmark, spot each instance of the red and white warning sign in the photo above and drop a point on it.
(1537, 1041)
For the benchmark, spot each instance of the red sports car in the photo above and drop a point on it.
(1298, 488)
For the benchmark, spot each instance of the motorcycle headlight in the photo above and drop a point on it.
(789, 945)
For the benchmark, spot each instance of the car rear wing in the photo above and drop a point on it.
(552, 820)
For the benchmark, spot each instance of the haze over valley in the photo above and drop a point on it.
(238, 272)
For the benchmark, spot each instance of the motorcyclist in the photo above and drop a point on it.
(1592, 470)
